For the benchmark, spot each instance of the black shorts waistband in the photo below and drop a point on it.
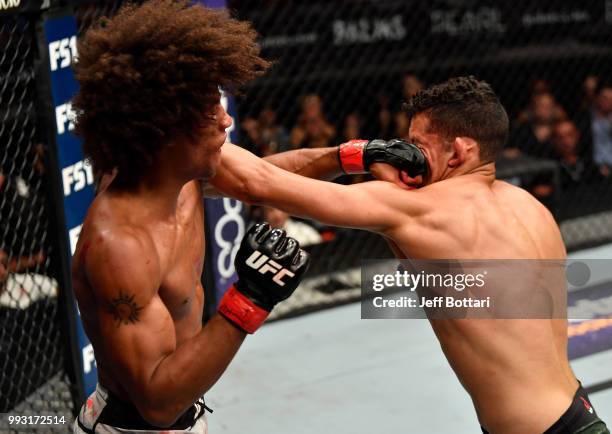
(122, 414)
(579, 415)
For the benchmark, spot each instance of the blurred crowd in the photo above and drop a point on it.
(578, 141)
(265, 135)
(23, 258)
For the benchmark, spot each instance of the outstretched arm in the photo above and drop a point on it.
(316, 163)
(376, 205)
(387, 160)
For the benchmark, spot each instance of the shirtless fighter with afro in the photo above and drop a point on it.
(150, 115)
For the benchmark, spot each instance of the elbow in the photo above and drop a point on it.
(162, 418)
(158, 419)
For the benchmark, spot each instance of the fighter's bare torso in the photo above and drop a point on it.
(178, 246)
(516, 371)
(507, 366)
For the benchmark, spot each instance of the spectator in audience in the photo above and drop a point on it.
(300, 231)
(251, 136)
(532, 135)
(273, 136)
(21, 255)
(575, 170)
(312, 130)
(538, 85)
(402, 125)
(318, 133)
(411, 84)
(384, 118)
(17, 209)
(352, 128)
(589, 87)
(601, 127)
(19, 285)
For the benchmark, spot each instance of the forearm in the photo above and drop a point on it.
(255, 181)
(316, 163)
(192, 369)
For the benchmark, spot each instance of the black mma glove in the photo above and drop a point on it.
(270, 266)
(356, 156)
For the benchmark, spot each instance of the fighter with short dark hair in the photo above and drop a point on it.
(458, 211)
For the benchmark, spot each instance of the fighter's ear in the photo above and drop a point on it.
(462, 148)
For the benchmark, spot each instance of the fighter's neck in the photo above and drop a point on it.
(156, 193)
(486, 171)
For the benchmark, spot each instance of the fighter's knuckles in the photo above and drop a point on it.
(301, 261)
(273, 241)
(255, 235)
(397, 144)
(267, 275)
(286, 250)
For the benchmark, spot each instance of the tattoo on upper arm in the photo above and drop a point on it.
(124, 309)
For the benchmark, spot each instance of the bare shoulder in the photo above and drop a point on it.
(120, 258)
(535, 217)
(410, 203)
(523, 199)
(121, 241)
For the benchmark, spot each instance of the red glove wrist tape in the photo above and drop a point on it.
(351, 156)
(237, 308)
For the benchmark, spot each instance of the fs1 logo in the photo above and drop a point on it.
(73, 236)
(62, 53)
(9, 4)
(64, 114)
(89, 359)
(263, 264)
(76, 177)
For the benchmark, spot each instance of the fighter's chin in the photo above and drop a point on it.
(210, 171)
(220, 141)
(208, 175)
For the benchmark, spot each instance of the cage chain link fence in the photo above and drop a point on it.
(32, 345)
(343, 68)
(87, 13)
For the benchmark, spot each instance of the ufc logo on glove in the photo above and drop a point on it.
(263, 264)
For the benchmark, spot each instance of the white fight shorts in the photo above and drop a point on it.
(105, 414)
